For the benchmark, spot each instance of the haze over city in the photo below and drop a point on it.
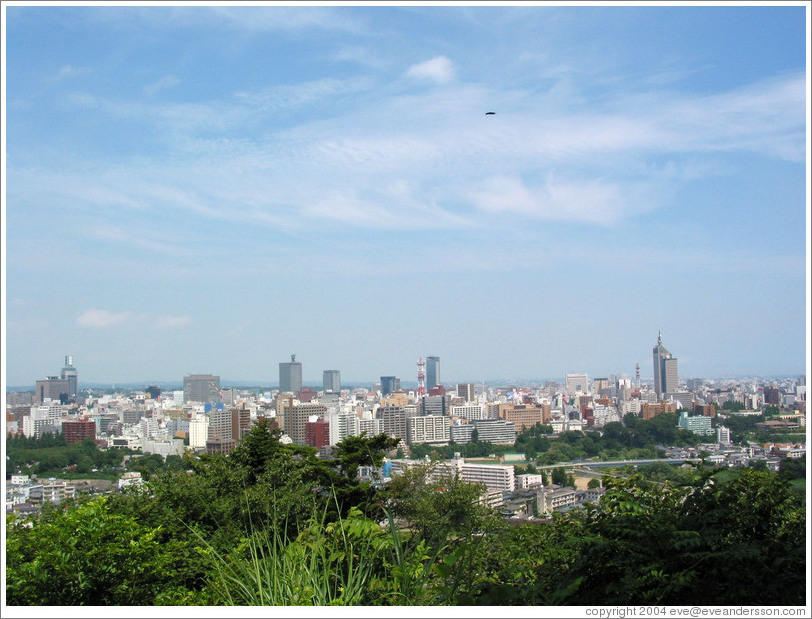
(212, 189)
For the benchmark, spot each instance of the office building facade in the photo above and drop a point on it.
(70, 375)
(290, 376)
(331, 381)
(432, 372)
(389, 385)
(666, 378)
(201, 388)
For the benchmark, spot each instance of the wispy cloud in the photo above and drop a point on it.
(427, 160)
(167, 81)
(171, 322)
(102, 319)
(439, 69)
(69, 71)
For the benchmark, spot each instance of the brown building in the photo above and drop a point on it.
(650, 411)
(240, 423)
(317, 433)
(524, 416)
(706, 410)
(77, 430)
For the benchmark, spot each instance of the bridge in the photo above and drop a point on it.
(590, 464)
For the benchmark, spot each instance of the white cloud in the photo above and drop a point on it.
(589, 201)
(167, 81)
(171, 322)
(69, 71)
(101, 319)
(439, 69)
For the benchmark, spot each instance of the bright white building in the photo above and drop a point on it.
(429, 429)
(198, 431)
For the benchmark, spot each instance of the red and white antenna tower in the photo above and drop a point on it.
(421, 378)
(637, 375)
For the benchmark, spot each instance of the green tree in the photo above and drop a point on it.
(559, 476)
(86, 556)
(354, 452)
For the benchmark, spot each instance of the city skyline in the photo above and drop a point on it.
(212, 189)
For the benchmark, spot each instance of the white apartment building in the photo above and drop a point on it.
(429, 429)
(198, 431)
(523, 482)
(495, 477)
(605, 414)
(631, 406)
(471, 411)
(372, 427)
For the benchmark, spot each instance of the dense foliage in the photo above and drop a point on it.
(272, 524)
(50, 456)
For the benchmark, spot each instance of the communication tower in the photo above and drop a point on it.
(421, 378)
(637, 375)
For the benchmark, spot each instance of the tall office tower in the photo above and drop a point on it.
(432, 372)
(332, 381)
(389, 384)
(240, 422)
(70, 374)
(395, 420)
(297, 416)
(599, 384)
(52, 387)
(220, 439)
(577, 383)
(466, 391)
(290, 376)
(201, 388)
(666, 379)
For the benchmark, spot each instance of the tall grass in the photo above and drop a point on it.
(352, 561)
(325, 565)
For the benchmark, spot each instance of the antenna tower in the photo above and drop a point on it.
(421, 378)
(637, 375)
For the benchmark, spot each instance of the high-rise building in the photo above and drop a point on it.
(53, 388)
(290, 376)
(395, 420)
(240, 422)
(296, 416)
(77, 430)
(466, 391)
(666, 379)
(428, 429)
(389, 384)
(220, 439)
(576, 383)
(332, 381)
(524, 416)
(70, 374)
(201, 388)
(432, 372)
(317, 433)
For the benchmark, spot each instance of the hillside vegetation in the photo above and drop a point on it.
(272, 524)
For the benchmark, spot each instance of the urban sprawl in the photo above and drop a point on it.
(207, 417)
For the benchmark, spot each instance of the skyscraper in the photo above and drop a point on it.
(332, 381)
(578, 382)
(70, 374)
(432, 372)
(201, 388)
(290, 376)
(666, 379)
(389, 384)
(466, 391)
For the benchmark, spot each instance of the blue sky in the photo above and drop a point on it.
(212, 189)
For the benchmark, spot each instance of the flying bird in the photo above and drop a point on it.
(489, 113)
